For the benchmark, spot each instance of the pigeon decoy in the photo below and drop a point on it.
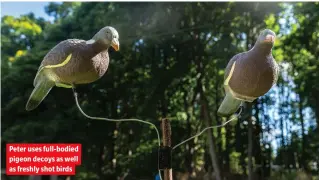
(250, 74)
(73, 61)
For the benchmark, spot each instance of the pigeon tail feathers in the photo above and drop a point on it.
(229, 105)
(40, 91)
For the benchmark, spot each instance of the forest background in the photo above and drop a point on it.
(170, 64)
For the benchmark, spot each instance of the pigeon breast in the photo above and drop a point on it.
(254, 75)
(88, 63)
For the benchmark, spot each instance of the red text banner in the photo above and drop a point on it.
(42, 159)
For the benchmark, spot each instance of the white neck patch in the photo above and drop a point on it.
(91, 41)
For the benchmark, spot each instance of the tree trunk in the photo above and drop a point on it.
(282, 118)
(250, 149)
(190, 144)
(256, 133)
(250, 140)
(212, 149)
(315, 94)
(227, 151)
(303, 153)
(112, 145)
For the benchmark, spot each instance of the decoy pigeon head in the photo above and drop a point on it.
(266, 38)
(108, 36)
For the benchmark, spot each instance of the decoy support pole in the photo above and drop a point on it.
(165, 151)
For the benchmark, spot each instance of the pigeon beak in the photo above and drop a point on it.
(270, 38)
(115, 44)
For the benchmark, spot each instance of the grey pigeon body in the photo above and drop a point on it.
(88, 63)
(248, 76)
(71, 62)
(253, 76)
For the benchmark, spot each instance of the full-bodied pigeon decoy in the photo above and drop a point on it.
(250, 74)
(73, 61)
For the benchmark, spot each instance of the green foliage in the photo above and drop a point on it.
(171, 64)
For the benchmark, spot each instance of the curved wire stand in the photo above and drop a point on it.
(210, 127)
(116, 120)
(152, 125)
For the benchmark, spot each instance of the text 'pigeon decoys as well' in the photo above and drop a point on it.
(250, 74)
(73, 61)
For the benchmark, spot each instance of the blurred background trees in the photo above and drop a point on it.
(171, 64)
